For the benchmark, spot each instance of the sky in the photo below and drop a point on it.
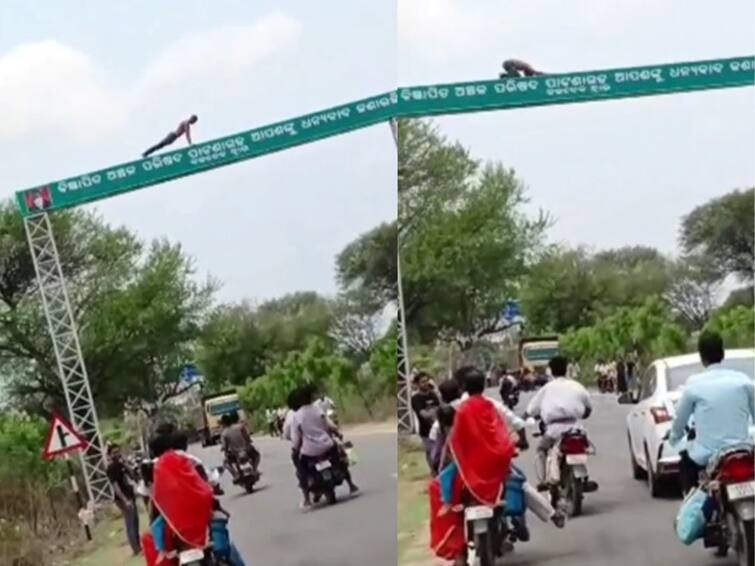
(90, 84)
(611, 173)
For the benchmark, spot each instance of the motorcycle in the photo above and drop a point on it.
(730, 480)
(566, 472)
(491, 532)
(605, 384)
(322, 479)
(246, 471)
(509, 392)
(200, 557)
(481, 526)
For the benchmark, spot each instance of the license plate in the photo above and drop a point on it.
(189, 556)
(576, 459)
(478, 512)
(741, 490)
(320, 466)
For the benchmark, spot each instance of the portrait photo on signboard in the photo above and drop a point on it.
(561, 257)
(38, 199)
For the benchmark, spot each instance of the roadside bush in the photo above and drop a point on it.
(36, 503)
(736, 326)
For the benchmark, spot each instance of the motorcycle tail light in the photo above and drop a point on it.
(737, 468)
(660, 415)
(573, 445)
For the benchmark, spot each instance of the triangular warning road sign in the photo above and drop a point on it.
(62, 438)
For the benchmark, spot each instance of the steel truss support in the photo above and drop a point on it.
(403, 401)
(65, 341)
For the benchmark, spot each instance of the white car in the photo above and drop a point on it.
(650, 419)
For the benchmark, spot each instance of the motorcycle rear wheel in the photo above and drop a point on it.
(744, 544)
(330, 496)
(574, 495)
(484, 549)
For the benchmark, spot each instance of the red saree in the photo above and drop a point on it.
(446, 531)
(183, 498)
(482, 448)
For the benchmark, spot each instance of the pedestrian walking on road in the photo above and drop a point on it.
(122, 481)
(183, 129)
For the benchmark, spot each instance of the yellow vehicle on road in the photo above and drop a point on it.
(213, 408)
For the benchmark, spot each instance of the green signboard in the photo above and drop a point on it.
(406, 102)
(199, 157)
(575, 87)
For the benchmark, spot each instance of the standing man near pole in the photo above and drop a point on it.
(125, 498)
(183, 129)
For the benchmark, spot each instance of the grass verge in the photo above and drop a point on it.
(108, 547)
(413, 505)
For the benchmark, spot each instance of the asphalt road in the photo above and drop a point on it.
(269, 528)
(621, 524)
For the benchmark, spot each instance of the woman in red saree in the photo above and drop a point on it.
(482, 449)
(185, 500)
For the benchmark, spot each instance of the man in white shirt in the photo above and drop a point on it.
(325, 403)
(560, 404)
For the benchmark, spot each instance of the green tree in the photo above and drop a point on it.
(368, 265)
(559, 292)
(232, 347)
(570, 288)
(354, 326)
(382, 362)
(95, 259)
(647, 330)
(736, 326)
(465, 239)
(723, 232)
(288, 323)
(692, 293)
(145, 334)
(626, 276)
(137, 313)
(314, 364)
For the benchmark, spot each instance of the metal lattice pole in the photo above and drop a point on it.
(65, 341)
(403, 401)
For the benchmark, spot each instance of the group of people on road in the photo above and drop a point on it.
(619, 375)
(180, 494)
(182, 506)
(275, 419)
(471, 441)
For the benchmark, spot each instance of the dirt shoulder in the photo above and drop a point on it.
(108, 547)
(413, 508)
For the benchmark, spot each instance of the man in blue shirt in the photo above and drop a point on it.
(722, 403)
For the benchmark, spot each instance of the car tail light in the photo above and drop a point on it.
(737, 468)
(573, 445)
(660, 415)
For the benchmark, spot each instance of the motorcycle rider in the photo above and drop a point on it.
(450, 391)
(560, 404)
(236, 440)
(509, 389)
(481, 448)
(722, 405)
(169, 441)
(312, 437)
